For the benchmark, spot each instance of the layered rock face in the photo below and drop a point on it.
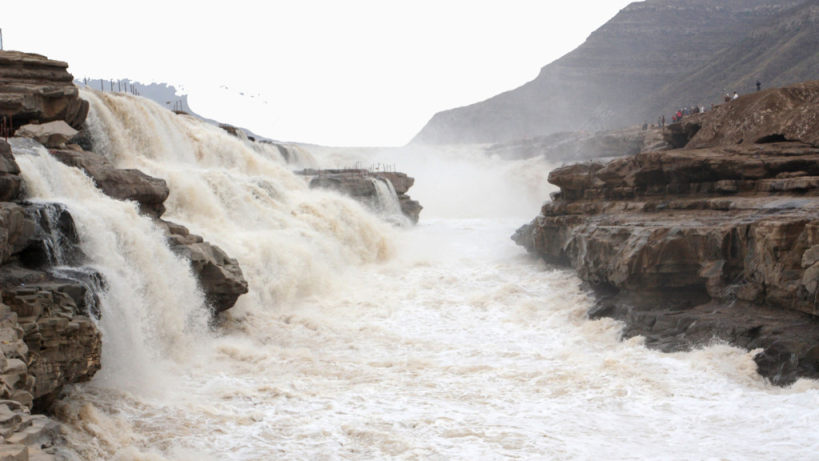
(35, 88)
(652, 58)
(360, 185)
(48, 296)
(48, 337)
(701, 242)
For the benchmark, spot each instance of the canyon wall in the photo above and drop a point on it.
(719, 238)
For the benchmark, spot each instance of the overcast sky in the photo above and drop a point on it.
(352, 72)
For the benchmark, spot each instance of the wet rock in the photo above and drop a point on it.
(10, 180)
(63, 343)
(16, 230)
(715, 242)
(219, 275)
(122, 184)
(26, 436)
(35, 88)
(51, 134)
(359, 184)
(400, 181)
(54, 240)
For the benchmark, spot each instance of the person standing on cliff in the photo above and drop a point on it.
(736, 95)
(758, 85)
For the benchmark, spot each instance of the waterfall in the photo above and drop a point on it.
(386, 201)
(447, 342)
(288, 239)
(151, 307)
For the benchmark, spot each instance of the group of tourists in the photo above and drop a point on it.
(676, 117)
(682, 112)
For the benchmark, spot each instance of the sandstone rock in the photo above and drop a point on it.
(122, 184)
(14, 453)
(51, 134)
(356, 184)
(220, 276)
(64, 344)
(26, 436)
(35, 88)
(775, 115)
(16, 230)
(410, 208)
(400, 181)
(360, 185)
(10, 180)
(672, 232)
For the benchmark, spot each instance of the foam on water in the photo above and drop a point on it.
(443, 341)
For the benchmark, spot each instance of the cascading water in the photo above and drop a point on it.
(386, 202)
(151, 306)
(359, 340)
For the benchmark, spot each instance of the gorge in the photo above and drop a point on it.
(174, 289)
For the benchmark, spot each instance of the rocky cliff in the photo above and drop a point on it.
(34, 88)
(48, 293)
(719, 238)
(652, 58)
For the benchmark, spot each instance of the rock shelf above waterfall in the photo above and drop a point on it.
(720, 240)
(362, 185)
(35, 88)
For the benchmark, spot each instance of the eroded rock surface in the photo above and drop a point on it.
(122, 184)
(220, 276)
(774, 115)
(693, 244)
(51, 134)
(34, 88)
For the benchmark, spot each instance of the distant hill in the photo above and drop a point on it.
(650, 59)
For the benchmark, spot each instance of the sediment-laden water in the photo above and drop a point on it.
(361, 340)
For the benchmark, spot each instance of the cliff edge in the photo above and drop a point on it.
(716, 239)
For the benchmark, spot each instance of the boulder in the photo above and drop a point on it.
(219, 275)
(51, 134)
(122, 184)
(35, 88)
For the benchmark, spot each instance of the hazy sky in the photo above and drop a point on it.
(353, 72)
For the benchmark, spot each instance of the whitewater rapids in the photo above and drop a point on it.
(359, 340)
